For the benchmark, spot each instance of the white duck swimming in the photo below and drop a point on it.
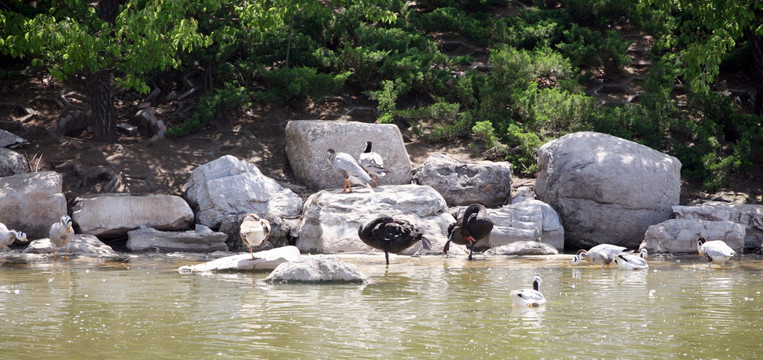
(529, 297)
(254, 231)
(602, 254)
(7, 237)
(61, 234)
(716, 251)
(630, 261)
(346, 166)
(373, 163)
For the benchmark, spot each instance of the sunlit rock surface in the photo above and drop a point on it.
(113, 215)
(308, 140)
(523, 248)
(461, 183)
(87, 245)
(31, 202)
(200, 240)
(265, 260)
(606, 189)
(679, 236)
(12, 163)
(317, 269)
(750, 216)
(331, 219)
(229, 185)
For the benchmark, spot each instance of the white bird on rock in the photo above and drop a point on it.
(372, 163)
(529, 297)
(254, 231)
(7, 237)
(344, 164)
(716, 251)
(61, 234)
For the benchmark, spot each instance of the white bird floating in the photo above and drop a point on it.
(372, 163)
(346, 166)
(7, 237)
(254, 231)
(61, 234)
(630, 261)
(602, 254)
(716, 251)
(529, 297)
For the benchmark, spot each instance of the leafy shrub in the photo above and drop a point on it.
(586, 47)
(298, 83)
(523, 150)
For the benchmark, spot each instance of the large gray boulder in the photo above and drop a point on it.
(200, 240)
(265, 260)
(331, 219)
(460, 183)
(31, 202)
(12, 163)
(678, 236)
(82, 244)
(749, 216)
(113, 215)
(530, 220)
(229, 185)
(606, 189)
(317, 269)
(308, 140)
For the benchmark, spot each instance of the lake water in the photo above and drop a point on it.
(417, 308)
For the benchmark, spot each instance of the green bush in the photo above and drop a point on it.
(210, 105)
(289, 84)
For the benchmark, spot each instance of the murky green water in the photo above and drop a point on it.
(418, 308)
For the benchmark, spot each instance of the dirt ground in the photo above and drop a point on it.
(134, 165)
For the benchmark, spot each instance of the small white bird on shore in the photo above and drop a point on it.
(61, 234)
(7, 237)
(254, 231)
(716, 251)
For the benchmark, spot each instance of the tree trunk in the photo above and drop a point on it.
(99, 85)
(757, 58)
(101, 103)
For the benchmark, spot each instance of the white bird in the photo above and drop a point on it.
(344, 164)
(372, 163)
(529, 297)
(254, 231)
(7, 237)
(716, 251)
(602, 254)
(61, 234)
(630, 261)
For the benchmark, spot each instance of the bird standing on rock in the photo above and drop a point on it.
(61, 234)
(391, 235)
(254, 231)
(473, 227)
(372, 163)
(7, 237)
(346, 166)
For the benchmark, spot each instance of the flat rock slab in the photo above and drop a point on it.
(200, 240)
(265, 260)
(523, 248)
(316, 270)
(87, 245)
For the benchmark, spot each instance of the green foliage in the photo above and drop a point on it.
(210, 105)
(586, 47)
(523, 149)
(288, 84)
